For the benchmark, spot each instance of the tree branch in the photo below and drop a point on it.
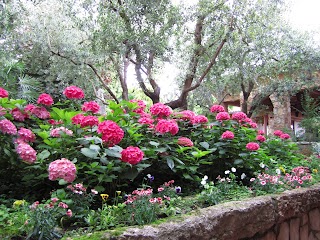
(92, 68)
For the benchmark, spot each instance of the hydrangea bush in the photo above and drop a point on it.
(70, 141)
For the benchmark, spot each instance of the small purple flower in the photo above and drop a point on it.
(178, 189)
(150, 177)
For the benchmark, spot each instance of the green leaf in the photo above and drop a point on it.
(112, 153)
(89, 152)
(43, 135)
(156, 144)
(243, 154)
(95, 147)
(62, 182)
(187, 176)
(61, 194)
(43, 155)
(205, 145)
(238, 161)
(170, 163)
(94, 164)
(100, 189)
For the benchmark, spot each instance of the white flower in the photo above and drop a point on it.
(233, 169)
(226, 172)
(243, 175)
(203, 182)
(278, 171)
(205, 178)
(262, 165)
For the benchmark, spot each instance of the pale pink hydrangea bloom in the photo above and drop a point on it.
(186, 115)
(184, 141)
(6, 126)
(141, 106)
(3, 111)
(41, 112)
(56, 132)
(285, 136)
(26, 152)
(26, 135)
(62, 169)
(18, 115)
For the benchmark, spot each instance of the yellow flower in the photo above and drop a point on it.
(282, 169)
(315, 170)
(118, 192)
(19, 203)
(104, 196)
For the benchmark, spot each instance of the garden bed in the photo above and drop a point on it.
(292, 214)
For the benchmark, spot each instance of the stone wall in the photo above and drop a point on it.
(292, 215)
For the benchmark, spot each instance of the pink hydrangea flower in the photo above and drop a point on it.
(186, 115)
(89, 121)
(221, 116)
(217, 109)
(45, 99)
(160, 110)
(41, 112)
(253, 125)
(90, 107)
(112, 134)
(141, 106)
(184, 141)
(26, 135)
(29, 108)
(26, 152)
(18, 115)
(165, 126)
(6, 126)
(73, 92)
(56, 132)
(62, 169)
(260, 138)
(285, 136)
(260, 132)
(54, 122)
(277, 133)
(239, 116)
(145, 120)
(227, 135)
(132, 155)
(3, 111)
(3, 93)
(199, 119)
(69, 213)
(252, 146)
(77, 119)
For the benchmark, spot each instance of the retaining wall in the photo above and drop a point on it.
(292, 215)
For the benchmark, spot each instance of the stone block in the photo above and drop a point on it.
(304, 232)
(294, 228)
(304, 219)
(314, 218)
(311, 236)
(284, 232)
(269, 236)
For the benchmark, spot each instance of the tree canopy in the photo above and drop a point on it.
(219, 47)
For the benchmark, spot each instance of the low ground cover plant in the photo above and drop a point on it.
(68, 165)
